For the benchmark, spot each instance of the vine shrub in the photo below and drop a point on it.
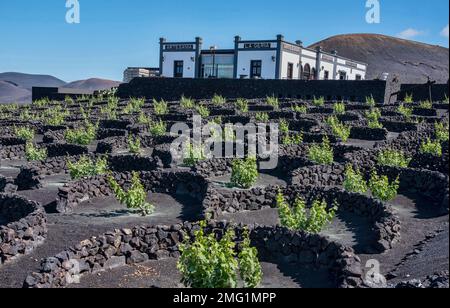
(203, 111)
(273, 101)
(292, 139)
(409, 98)
(381, 188)
(218, 100)
(25, 133)
(86, 167)
(297, 218)
(82, 135)
(339, 129)
(300, 109)
(354, 181)
(160, 107)
(242, 105)
(431, 147)
(405, 111)
(33, 153)
(187, 103)
(426, 105)
(244, 172)
(134, 144)
(370, 101)
(158, 128)
(284, 126)
(319, 102)
(193, 154)
(339, 108)
(373, 117)
(393, 158)
(210, 263)
(135, 197)
(441, 131)
(262, 117)
(322, 154)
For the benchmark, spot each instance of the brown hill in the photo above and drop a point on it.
(411, 61)
(11, 93)
(27, 81)
(92, 84)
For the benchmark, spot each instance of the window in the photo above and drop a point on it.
(326, 75)
(342, 75)
(290, 71)
(358, 77)
(178, 69)
(255, 68)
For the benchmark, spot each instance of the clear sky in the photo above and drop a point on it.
(114, 34)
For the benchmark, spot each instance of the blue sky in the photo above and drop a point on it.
(114, 34)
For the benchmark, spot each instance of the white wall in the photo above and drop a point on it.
(288, 57)
(189, 65)
(268, 65)
(327, 66)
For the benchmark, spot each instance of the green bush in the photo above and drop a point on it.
(157, 128)
(187, 103)
(297, 218)
(82, 135)
(25, 133)
(262, 117)
(381, 188)
(218, 100)
(300, 109)
(339, 108)
(134, 105)
(134, 144)
(55, 116)
(319, 102)
(242, 105)
(431, 147)
(426, 105)
(405, 111)
(446, 100)
(292, 139)
(373, 117)
(354, 181)
(161, 107)
(193, 154)
(135, 197)
(322, 154)
(370, 101)
(441, 131)
(284, 126)
(273, 101)
(244, 172)
(33, 153)
(393, 158)
(409, 99)
(86, 167)
(203, 111)
(209, 263)
(339, 129)
(143, 119)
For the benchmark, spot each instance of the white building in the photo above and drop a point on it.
(134, 72)
(260, 59)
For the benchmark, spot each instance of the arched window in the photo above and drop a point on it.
(307, 72)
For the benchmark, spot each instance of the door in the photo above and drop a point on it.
(290, 71)
(178, 67)
(255, 69)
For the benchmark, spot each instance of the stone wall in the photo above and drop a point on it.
(421, 93)
(23, 228)
(174, 88)
(159, 181)
(133, 246)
